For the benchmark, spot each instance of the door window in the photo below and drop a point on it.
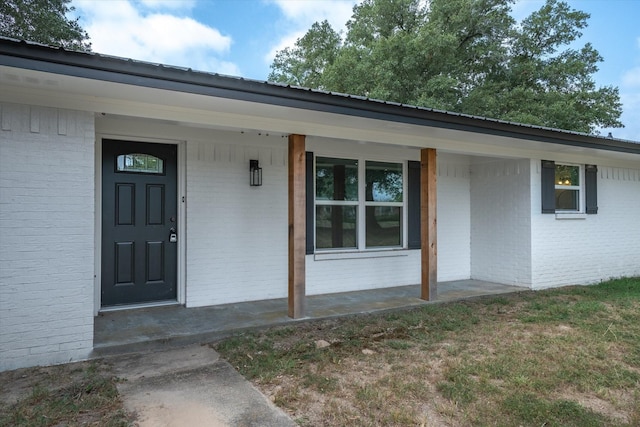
(139, 163)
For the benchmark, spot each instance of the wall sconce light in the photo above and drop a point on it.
(255, 173)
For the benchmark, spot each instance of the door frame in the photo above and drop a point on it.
(181, 296)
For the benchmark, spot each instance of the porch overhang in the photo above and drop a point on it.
(114, 86)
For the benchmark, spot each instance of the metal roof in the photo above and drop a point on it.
(38, 57)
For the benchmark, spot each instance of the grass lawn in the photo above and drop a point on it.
(75, 394)
(563, 357)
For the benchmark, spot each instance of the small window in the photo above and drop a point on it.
(336, 203)
(383, 204)
(567, 188)
(139, 163)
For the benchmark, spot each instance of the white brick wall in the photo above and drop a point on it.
(598, 247)
(489, 226)
(46, 235)
(371, 272)
(235, 253)
(237, 235)
(454, 218)
(500, 221)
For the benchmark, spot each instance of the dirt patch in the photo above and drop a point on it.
(599, 405)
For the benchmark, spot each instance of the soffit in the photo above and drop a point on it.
(198, 110)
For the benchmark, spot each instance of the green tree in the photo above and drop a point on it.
(304, 64)
(467, 56)
(43, 21)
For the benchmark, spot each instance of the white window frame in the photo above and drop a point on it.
(579, 188)
(362, 210)
(362, 204)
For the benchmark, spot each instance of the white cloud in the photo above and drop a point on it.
(308, 11)
(169, 4)
(287, 41)
(300, 15)
(630, 98)
(119, 28)
(631, 78)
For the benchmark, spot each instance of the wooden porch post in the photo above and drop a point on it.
(428, 219)
(297, 226)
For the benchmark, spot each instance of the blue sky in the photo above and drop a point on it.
(240, 37)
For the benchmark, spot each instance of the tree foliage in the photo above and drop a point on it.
(305, 63)
(43, 21)
(467, 56)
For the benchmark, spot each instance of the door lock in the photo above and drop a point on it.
(173, 236)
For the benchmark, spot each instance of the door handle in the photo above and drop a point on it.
(173, 235)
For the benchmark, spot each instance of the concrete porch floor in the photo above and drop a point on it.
(150, 328)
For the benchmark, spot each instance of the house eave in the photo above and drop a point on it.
(23, 55)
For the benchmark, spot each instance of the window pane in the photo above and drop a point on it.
(141, 163)
(336, 227)
(384, 226)
(384, 182)
(567, 175)
(567, 200)
(336, 179)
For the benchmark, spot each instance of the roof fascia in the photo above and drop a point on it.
(118, 70)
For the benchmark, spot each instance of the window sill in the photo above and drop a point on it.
(385, 253)
(569, 215)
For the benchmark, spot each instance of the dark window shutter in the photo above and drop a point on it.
(413, 204)
(310, 201)
(548, 186)
(591, 188)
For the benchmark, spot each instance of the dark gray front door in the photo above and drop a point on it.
(139, 222)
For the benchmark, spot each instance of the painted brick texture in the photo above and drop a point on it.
(235, 253)
(598, 247)
(489, 226)
(454, 218)
(47, 235)
(500, 221)
(237, 235)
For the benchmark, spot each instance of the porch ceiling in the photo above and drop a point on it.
(213, 112)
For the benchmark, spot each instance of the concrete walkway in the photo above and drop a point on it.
(172, 382)
(191, 386)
